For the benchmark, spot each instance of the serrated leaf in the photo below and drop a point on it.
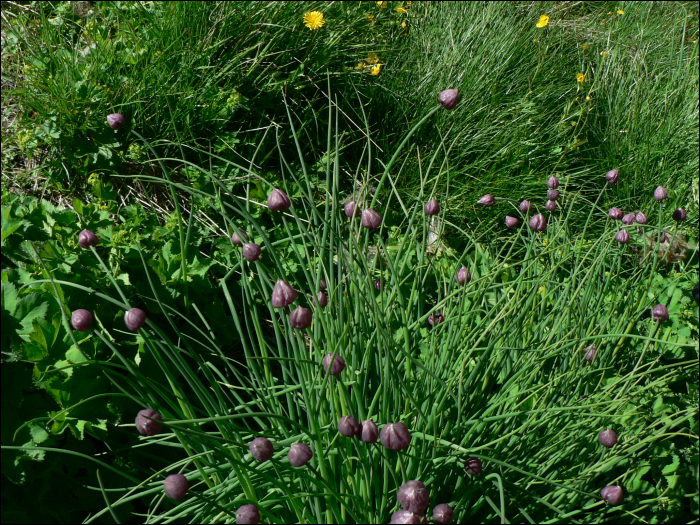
(38, 432)
(74, 355)
(9, 297)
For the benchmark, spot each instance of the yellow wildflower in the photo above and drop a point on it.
(620, 12)
(584, 47)
(314, 20)
(580, 77)
(544, 20)
(404, 24)
(401, 10)
(375, 70)
(604, 54)
(381, 5)
(372, 58)
(588, 97)
(370, 17)
(361, 66)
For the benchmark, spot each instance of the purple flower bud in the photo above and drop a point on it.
(378, 284)
(435, 319)
(300, 318)
(115, 120)
(612, 176)
(283, 295)
(679, 215)
(622, 237)
(322, 285)
(628, 219)
(608, 438)
(615, 213)
(443, 513)
(348, 426)
(432, 207)
(525, 206)
(612, 494)
(248, 514)
(590, 352)
(147, 422)
(278, 200)
(176, 486)
(134, 319)
(336, 364)
(463, 276)
(511, 222)
(641, 218)
(659, 313)
(473, 466)
(550, 206)
(371, 219)
(414, 497)
(87, 239)
(351, 210)
(449, 98)
(321, 300)
(538, 223)
(261, 448)
(660, 193)
(395, 436)
(237, 237)
(251, 251)
(82, 319)
(370, 432)
(405, 516)
(553, 183)
(487, 200)
(299, 454)
(553, 195)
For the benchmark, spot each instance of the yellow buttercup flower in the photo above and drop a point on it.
(375, 70)
(544, 20)
(404, 24)
(401, 10)
(370, 17)
(381, 5)
(580, 77)
(588, 98)
(604, 54)
(620, 12)
(314, 20)
(372, 58)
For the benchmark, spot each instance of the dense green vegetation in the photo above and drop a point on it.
(226, 101)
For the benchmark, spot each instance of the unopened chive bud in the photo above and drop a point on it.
(321, 300)
(538, 223)
(511, 222)
(628, 219)
(660, 193)
(176, 486)
(612, 494)
(612, 176)
(81, 319)
(525, 206)
(463, 276)
(148, 422)
(608, 438)
(435, 319)
(487, 200)
(448, 99)
(395, 436)
(115, 120)
(251, 251)
(679, 215)
(278, 200)
(348, 426)
(299, 454)
(622, 237)
(300, 318)
(135, 319)
(248, 514)
(238, 237)
(659, 313)
(283, 294)
(473, 466)
(261, 448)
(333, 364)
(406, 517)
(322, 285)
(615, 213)
(553, 183)
(351, 209)
(553, 195)
(641, 218)
(378, 284)
(87, 239)
(432, 207)
(414, 497)
(590, 352)
(370, 432)
(371, 219)
(550, 206)
(443, 513)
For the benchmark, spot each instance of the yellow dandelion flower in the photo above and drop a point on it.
(314, 20)
(381, 5)
(580, 77)
(584, 47)
(401, 10)
(375, 70)
(372, 58)
(544, 20)
(620, 12)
